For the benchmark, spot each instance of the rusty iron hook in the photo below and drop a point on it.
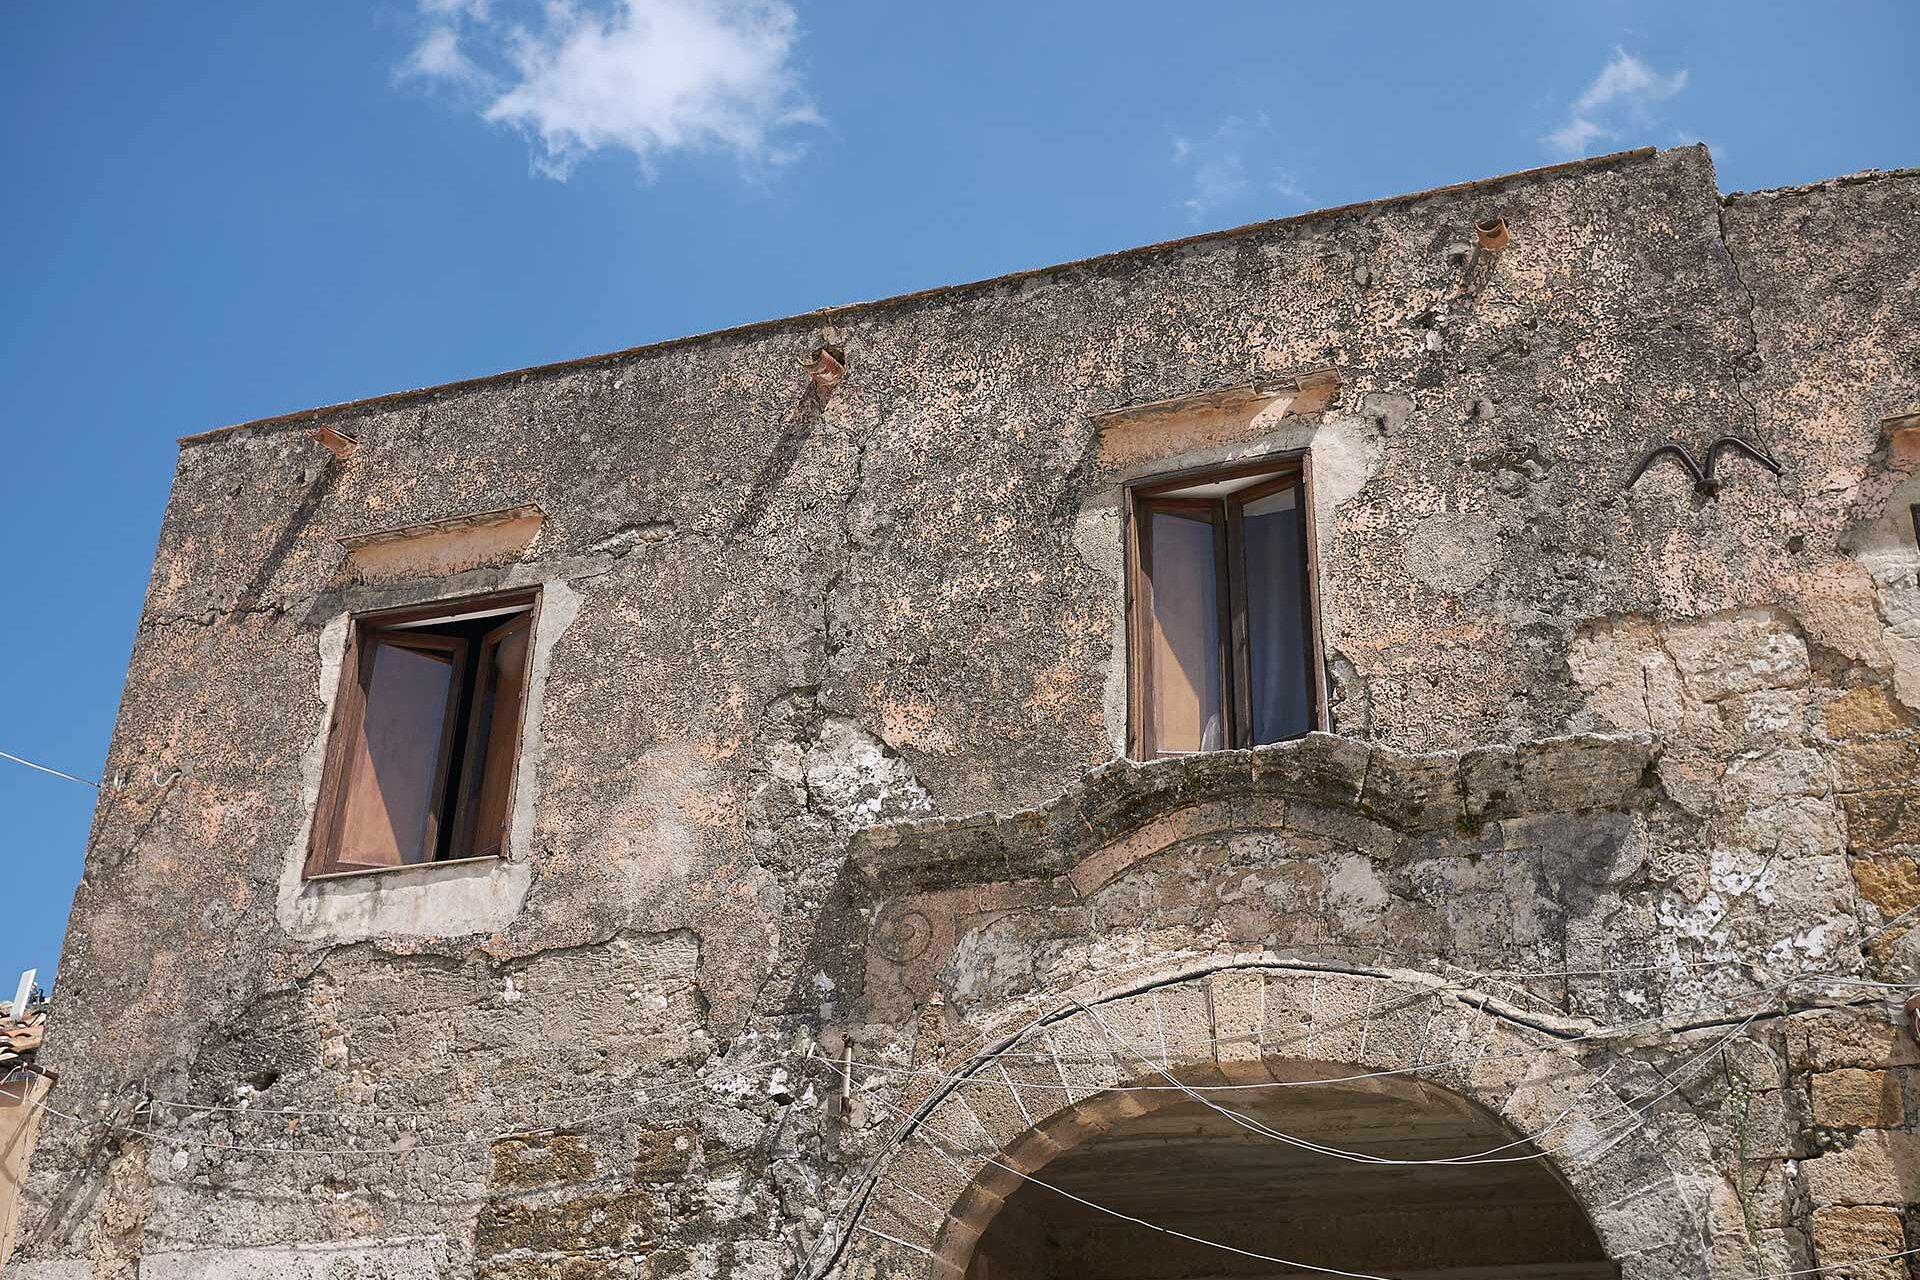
(1704, 478)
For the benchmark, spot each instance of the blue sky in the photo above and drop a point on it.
(218, 212)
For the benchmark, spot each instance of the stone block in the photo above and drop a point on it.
(662, 1155)
(1833, 1038)
(52, 1269)
(1845, 1234)
(959, 1127)
(1000, 1110)
(1868, 766)
(525, 1161)
(1413, 790)
(1769, 1123)
(415, 1258)
(932, 1171)
(1881, 819)
(1747, 1254)
(1863, 711)
(1239, 1015)
(1857, 1098)
(1881, 1167)
(1739, 651)
(1089, 1059)
(1890, 882)
(621, 1220)
(1186, 1020)
(904, 1217)
(563, 1267)
(1553, 774)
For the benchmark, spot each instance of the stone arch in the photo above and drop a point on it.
(1053, 1084)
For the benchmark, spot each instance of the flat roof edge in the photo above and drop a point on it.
(1835, 183)
(314, 416)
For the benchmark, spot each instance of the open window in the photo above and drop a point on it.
(426, 734)
(1222, 637)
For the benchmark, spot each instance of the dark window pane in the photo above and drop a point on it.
(492, 738)
(1185, 646)
(393, 768)
(1276, 625)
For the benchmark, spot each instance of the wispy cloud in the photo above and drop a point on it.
(439, 56)
(1229, 166)
(647, 77)
(1628, 93)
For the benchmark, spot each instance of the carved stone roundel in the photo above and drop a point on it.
(902, 935)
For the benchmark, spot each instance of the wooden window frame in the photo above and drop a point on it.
(1286, 470)
(349, 709)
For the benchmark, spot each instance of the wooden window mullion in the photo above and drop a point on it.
(1234, 589)
(1143, 627)
(1233, 622)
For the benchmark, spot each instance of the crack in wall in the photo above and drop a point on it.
(847, 545)
(1749, 361)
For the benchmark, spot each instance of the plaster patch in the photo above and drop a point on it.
(855, 779)
(1451, 552)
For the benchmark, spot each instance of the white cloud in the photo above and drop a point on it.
(1223, 168)
(1576, 136)
(1626, 93)
(648, 77)
(438, 56)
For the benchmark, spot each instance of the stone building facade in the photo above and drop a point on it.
(815, 913)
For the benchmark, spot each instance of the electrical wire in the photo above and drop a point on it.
(1490, 1156)
(925, 1126)
(1616, 1031)
(70, 777)
(861, 1190)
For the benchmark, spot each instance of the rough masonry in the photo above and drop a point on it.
(1607, 844)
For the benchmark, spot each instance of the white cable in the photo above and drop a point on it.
(70, 777)
(1623, 1030)
(1490, 1156)
(926, 1126)
(1832, 1266)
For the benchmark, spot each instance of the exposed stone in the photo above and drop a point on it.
(1863, 1236)
(624, 1220)
(540, 1160)
(1737, 652)
(1869, 1099)
(1866, 710)
(1829, 1040)
(1890, 882)
(1881, 819)
(1880, 1166)
(662, 1155)
(565, 1267)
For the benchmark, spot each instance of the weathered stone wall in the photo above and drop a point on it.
(773, 622)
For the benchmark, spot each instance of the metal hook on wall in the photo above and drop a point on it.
(1704, 478)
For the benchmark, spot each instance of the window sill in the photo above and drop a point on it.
(359, 872)
(434, 900)
(1215, 751)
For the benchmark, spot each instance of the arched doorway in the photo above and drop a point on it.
(1186, 1167)
(1379, 1064)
